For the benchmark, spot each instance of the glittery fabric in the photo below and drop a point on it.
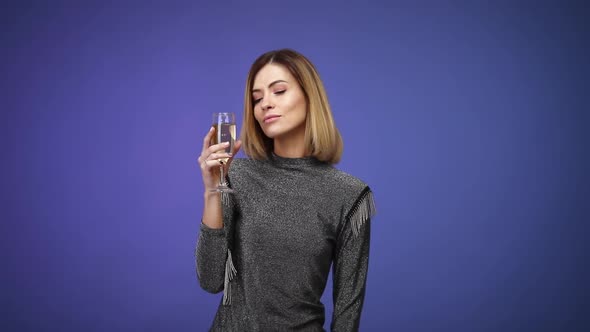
(287, 224)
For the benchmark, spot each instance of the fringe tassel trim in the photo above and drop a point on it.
(230, 273)
(362, 211)
(225, 198)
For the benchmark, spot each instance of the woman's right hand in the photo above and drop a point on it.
(210, 160)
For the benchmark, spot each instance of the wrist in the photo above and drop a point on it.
(209, 194)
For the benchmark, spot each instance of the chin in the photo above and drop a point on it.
(271, 134)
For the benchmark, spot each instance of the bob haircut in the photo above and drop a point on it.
(322, 138)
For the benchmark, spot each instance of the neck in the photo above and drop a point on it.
(289, 151)
(291, 147)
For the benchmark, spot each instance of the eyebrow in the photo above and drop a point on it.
(271, 84)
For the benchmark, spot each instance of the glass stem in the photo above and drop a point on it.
(221, 176)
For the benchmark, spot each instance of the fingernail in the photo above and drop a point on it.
(226, 144)
(230, 154)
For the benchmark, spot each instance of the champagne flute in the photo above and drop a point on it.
(225, 131)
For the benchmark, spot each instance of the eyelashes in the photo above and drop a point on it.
(278, 93)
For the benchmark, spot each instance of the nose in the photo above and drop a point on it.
(266, 104)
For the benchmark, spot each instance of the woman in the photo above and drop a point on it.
(269, 246)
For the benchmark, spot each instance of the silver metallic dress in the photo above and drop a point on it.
(289, 222)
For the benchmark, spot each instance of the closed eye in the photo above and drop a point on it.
(256, 101)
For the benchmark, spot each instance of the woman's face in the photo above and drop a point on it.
(279, 103)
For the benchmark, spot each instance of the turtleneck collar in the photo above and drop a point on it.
(302, 161)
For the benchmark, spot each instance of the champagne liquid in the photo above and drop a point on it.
(225, 132)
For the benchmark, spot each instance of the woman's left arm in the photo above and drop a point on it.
(350, 268)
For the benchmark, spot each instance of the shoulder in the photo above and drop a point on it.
(345, 182)
(244, 163)
(346, 188)
(245, 166)
(355, 198)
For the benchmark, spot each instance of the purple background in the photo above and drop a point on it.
(466, 118)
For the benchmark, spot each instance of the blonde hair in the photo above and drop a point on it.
(322, 138)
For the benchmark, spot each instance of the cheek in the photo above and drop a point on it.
(257, 114)
(299, 104)
(301, 109)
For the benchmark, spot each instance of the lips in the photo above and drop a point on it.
(270, 118)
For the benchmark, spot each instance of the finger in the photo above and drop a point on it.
(236, 149)
(207, 139)
(210, 164)
(237, 146)
(217, 156)
(218, 147)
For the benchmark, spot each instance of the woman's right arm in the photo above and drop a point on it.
(211, 251)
